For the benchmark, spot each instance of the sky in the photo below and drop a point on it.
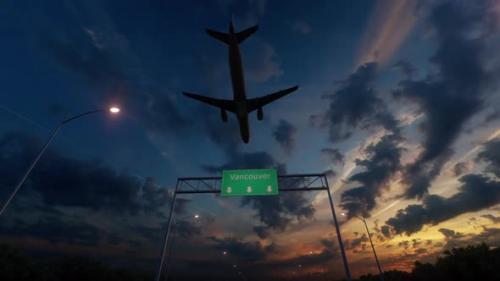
(398, 104)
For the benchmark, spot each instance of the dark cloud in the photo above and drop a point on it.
(355, 104)
(186, 229)
(404, 244)
(495, 115)
(491, 155)
(449, 97)
(382, 162)
(450, 233)
(327, 254)
(476, 192)
(247, 251)
(357, 244)
(386, 231)
(276, 213)
(70, 182)
(333, 155)
(416, 243)
(330, 173)
(492, 218)
(303, 262)
(421, 251)
(489, 236)
(418, 176)
(181, 228)
(56, 230)
(284, 134)
(460, 168)
(262, 231)
(406, 68)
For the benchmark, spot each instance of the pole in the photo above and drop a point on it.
(167, 233)
(28, 172)
(374, 253)
(341, 244)
(40, 154)
(169, 257)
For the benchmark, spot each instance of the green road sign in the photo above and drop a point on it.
(249, 182)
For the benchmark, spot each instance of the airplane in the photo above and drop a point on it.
(240, 105)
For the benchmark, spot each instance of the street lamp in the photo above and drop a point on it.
(112, 110)
(371, 242)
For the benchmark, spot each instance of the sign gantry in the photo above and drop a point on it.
(251, 183)
(299, 182)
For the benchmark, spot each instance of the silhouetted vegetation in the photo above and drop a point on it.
(469, 263)
(15, 266)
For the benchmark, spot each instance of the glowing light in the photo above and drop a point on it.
(196, 216)
(114, 109)
(224, 253)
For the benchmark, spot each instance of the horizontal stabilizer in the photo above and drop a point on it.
(223, 37)
(242, 35)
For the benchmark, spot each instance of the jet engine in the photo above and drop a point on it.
(223, 115)
(260, 114)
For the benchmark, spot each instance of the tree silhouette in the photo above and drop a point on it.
(478, 263)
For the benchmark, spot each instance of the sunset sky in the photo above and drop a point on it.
(399, 105)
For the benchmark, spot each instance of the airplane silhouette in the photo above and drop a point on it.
(239, 105)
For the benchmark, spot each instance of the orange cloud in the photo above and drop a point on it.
(389, 25)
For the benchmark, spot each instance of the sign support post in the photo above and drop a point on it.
(165, 241)
(337, 228)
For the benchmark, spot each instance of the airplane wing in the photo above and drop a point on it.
(220, 103)
(256, 103)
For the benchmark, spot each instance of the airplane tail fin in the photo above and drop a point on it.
(240, 36)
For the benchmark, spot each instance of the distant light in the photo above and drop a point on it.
(224, 253)
(300, 265)
(196, 216)
(343, 214)
(114, 109)
(310, 252)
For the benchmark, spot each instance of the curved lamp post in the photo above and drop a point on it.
(371, 243)
(112, 110)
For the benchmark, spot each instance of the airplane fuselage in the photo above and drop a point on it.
(238, 83)
(240, 105)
